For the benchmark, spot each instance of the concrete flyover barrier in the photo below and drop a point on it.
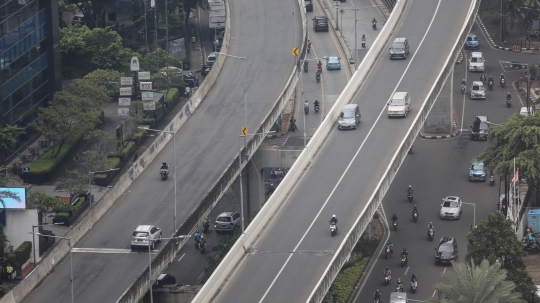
(61, 249)
(237, 252)
(352, 237)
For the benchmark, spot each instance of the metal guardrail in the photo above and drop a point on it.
(361, 223)
(390, 4)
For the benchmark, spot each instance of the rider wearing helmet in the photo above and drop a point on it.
(387, 272)
(415, 210)
(399, 285)
(394, 218)
(414, 278)
(410, 190)
(165, 166)
(377, 295)
(464, 82)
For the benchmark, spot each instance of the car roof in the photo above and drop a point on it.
(472, 35)
(477, 162)
(226, 214)
(478, 83)
(476, 54)
(400, 95)
(400, 40)
(349, 107)
(320, 17)
(447, 240)
(144, 227)
(452, 198)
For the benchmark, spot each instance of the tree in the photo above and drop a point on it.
(42, 202)
(74, 184)
(469, 283)
(7, 180)
(96, 95)
(518, 138)
(157, 59)
(9, 137)
(504, 249)
(110, 79)
(94, 11)
(102, 142)
(85, 50)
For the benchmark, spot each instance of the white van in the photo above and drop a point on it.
(476, 62)
(399, 105)
(398, 297)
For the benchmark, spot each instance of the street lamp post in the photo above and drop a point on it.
(70, 258)
(240, 174)
(92, 173)
(174, 171)
(302, 62)
(34, 238)
(245, 83)
(150, 261)
(474, 211)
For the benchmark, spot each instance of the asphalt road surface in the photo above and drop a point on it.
(260, 32)
(297, 244)
(437, 169)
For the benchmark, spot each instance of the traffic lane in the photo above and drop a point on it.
(56, 287)
(289, 216)
(437, 161)
(189, 263)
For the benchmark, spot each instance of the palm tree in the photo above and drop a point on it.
(485, 283)
(9, 135)
(7, 180)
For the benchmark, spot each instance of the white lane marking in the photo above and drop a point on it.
(352, 160)
(465, 94)
(181, 257)
(108, 250)
(407, 270)
(433, 295)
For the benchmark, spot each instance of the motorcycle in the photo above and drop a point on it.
(404, 260)
(483, 79)
(388, 253)
(415, 216)
(333, 229)
(305, 66)
(206, 225)
(490, 85)
(387, 279)
(395, 225)
(399, 288)
(202, 247)
(431, 234)
(491, 180)
(309, 49)
(503, 82)
(410, 197)
(376, 301)
(316, 107)
(374, 25)
(306, 108)
(463, 88)
(508, 103)
(414, 286)
(164, 173)
(363, 44)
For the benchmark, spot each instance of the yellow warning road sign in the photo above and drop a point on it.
(244, 131)
(295, 51)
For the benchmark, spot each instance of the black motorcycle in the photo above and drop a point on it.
(306, 108)
(415, 216)
(305, 66)
(374, 25)
(316, 107)
(491, 180)
(318, 76)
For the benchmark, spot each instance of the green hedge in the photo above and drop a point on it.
(62, 215)
(173, 93)
(148, 121)
(21, 255)
(79, 203)
(112, 162)
(46, 162)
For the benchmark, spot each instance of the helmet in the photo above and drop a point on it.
(414, 275)
(202, 237)
(410, 186)
(164, 163)
(463, 79)
(197, 232)
(271, 184)
(387, 268)
(399, 280)
(377, 290)
(333, 216)
(415, 205)
(430, 223)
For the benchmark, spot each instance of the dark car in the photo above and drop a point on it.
(190, 80)
(309, 5)
(164, 279)
(205, 70)
(480, 128)
(320, 23)
(447, 250)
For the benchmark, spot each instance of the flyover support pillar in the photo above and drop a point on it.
(440, 120)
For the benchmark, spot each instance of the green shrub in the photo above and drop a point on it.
(12, 258)
(62, 215)
(128, 147)
(45, 163)
(148, 121)
(173, 93)
(79, 203)
(63, 207)
(22, 253)
(3, 290)
(112, 162)
(141, 133)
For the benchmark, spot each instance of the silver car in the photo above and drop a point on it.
(145, 235)
(349, 117)
(477, 90)
(227, 221)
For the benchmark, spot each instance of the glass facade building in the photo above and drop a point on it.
(29, 61)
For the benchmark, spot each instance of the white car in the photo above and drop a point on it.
(477, 90)
(526, 112)
(399, 105)
(145, 235)
(451, 208)
(476, 62)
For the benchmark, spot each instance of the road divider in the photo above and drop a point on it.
(237, 252)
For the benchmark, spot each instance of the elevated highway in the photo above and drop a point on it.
(288, 247)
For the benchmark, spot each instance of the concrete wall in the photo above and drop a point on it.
(175, 294)
(18, 225)
(273, 156)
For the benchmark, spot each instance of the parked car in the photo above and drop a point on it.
(190, 80)
(320, 23)
(480, 128)
(451, 208)
(472, 42)
(309, 5)
(526, 112)
(333, 62)
(227, 221)
(476, 171)
(205, 70)
(145, 235)
(447, 250)
(211, 58)
(164, 279)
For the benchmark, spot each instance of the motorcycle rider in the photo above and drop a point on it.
(306, 104)
(430, 226)
(415, 210)
(364, 40)
(410, 190)
(394, 218)
(206, 223)
(483, 77)
(508, 97)
(202, 243)
(405, 253)
(374, 21)
(165, 166)
(464, 82)
(377, 295)
(319, 65)
(399, 285)
(414, 278)
(197, 237)
(316, 103)
(309, 45)
(334, 220)
(490, 79)
(502, 77)
(387, 272)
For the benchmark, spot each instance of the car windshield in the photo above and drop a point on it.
(478, 87)
(483, 125)
(446, 247)
(472, 38)
(451, 204)
(397, 46)
(140, 234)
(478, 167)
(321, 21)
(397, 102)
(224, 219)
(347, 115)
(476, 60)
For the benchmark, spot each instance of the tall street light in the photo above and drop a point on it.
(302, 62)
(240, 173)
(174, 171)
(90, 175)
(70, 258)
(34, 238)
(355, 32)
(474, 211)
(245, 83)
(150, 260)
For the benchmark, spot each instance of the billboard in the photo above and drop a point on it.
(11, 203)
